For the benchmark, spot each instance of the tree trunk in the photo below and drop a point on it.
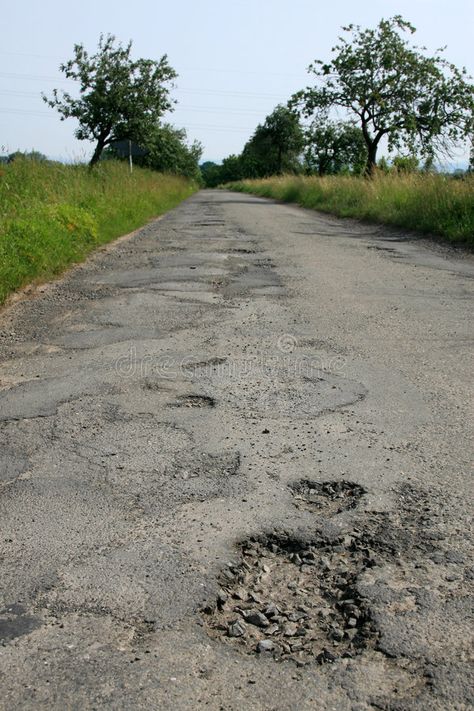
(97, 153)
(371, 158)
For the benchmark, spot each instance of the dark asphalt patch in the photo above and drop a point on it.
(16, 622)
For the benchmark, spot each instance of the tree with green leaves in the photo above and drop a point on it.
(119, 98)
(406, 164)
(167, 151)
(334, 147)
(211, 174)
(34, 156)
(393, 90)
(275, 146)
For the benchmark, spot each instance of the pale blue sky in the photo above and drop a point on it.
(236, 60)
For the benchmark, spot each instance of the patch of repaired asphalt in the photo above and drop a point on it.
(15, 622)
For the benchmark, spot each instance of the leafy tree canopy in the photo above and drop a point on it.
(120, 98)
(334, 147)
(417, 102)
(275, 146)
(169, 152)
(27, 155)
(211, 174)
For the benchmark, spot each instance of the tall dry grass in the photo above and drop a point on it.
(434, 204)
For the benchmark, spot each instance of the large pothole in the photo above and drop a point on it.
(193, 401)
(332, 496)
(294, 600)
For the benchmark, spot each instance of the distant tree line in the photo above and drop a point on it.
(377, 89)
(388, 90)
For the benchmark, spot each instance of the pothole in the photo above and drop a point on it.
(294, 600)
(194, 401)
(332, 496)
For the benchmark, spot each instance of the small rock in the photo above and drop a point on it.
(290, 629)
(296, 616)
(271, 610)
(236, 629)
(254, 617)
(266, 645)
(272, 629)
(222, 597)
(240, 594)
(326, 657)
(337, 635)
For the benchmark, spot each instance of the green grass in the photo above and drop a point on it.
(54, 215)
(433, 204)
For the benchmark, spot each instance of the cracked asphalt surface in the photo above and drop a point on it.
(241, 407)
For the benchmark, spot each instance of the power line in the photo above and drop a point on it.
(219, 109)
(223, 92)
(216, 70)
(211, 127)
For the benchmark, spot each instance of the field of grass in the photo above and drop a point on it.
(432, 204)
(53, 215)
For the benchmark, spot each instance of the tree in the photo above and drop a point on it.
(120, 98)
(334, 147)
(471, 156)
(417, 102)
(275, 146)
(35, 156)
(406, 164)
(211, 174)
(169, 152)
(232, 168)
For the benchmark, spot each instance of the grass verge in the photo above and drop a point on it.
(54, 215)
(433, 204)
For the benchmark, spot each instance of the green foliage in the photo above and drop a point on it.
(275, 146)
(334, 147)
(120, 98)
(417, 102)
(232, 168)
(168, 152)
(211, 174)
(383, 165)
(406, 164)
(52, 215)
(434, 204)
(26, 155)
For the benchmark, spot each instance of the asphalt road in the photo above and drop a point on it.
(235, 455)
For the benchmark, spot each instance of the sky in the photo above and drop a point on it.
(236, 60)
